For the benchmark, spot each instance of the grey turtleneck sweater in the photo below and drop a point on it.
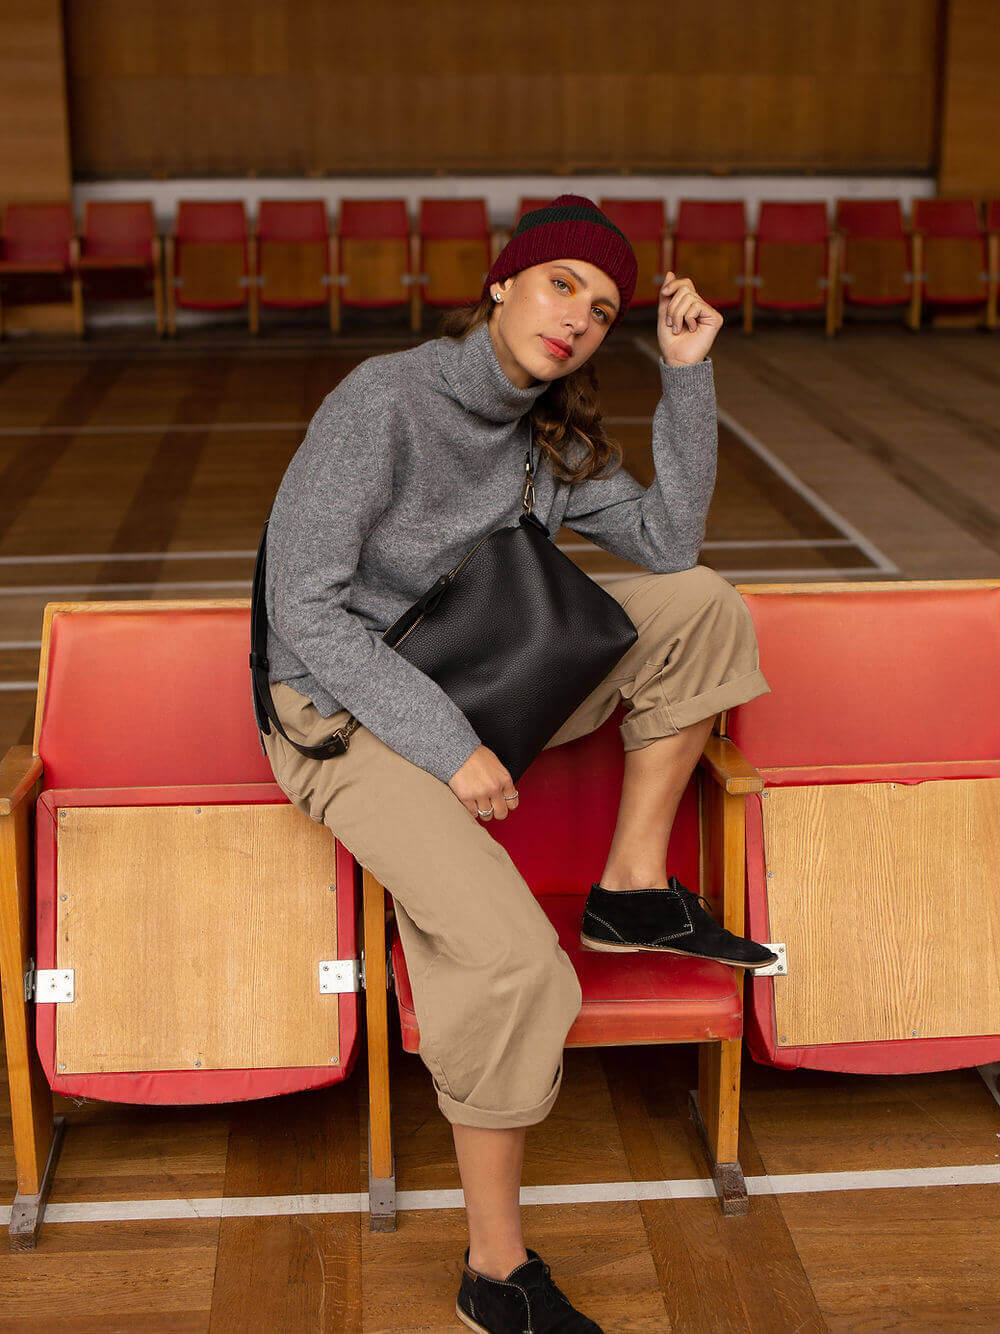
(406, 463)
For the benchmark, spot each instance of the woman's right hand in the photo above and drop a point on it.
(482, 784)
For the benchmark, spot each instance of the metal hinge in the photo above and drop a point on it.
(779, 967)
(341, 974)
(48, 986)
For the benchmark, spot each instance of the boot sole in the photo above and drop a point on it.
(468, 1320)
(588, 942)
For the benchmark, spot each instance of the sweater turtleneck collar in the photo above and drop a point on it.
(477, 380)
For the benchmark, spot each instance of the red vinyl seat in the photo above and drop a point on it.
(709, 245)
(558, 841)
(644, 222)
(151, 704)
(656, 998)
(38, 256)
(868, 685)
(954, 253)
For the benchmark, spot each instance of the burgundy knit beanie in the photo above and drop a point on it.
(570, 227)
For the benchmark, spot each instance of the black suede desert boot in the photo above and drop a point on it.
(527, 1301)
(671, 920)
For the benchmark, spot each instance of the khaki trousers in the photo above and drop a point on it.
(494, 992)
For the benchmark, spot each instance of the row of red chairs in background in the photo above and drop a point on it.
(946, 257)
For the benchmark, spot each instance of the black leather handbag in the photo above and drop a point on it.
(516, 634)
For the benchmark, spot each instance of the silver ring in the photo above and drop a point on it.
(489, 812)
(513, 798)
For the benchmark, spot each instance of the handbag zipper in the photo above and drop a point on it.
(448, 578)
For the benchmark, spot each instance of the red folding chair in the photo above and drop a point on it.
(210, 259)
(454, 253)
(876, 262)
(295, 259)
(871, 852)
(949, 253)
(374, 267)
(710, 244)
(38, 241)
(993, 248)
(120, 250)
(644, 222)
(144, 823)
(570, 804)
(794, 260)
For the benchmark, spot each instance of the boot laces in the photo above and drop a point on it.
(551, 1295)
(696, 898)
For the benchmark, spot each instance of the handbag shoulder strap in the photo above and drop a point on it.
(263, 702)
(528, 491)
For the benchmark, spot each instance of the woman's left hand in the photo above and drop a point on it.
(685, 324)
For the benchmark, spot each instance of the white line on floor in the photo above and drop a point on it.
(88, 592)
(81, 557)
(880, 560)
(799, 1183)
(152, 428)
(71, 592)
(161, 428)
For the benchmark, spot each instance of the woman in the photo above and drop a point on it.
(407, 462)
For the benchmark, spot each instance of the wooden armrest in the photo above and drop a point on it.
(729, 768)
(20, 770)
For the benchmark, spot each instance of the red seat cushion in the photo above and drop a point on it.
(627, 998)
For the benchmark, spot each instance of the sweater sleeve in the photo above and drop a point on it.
(330, 503)
(660, 527)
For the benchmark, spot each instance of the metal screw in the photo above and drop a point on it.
(326, 968)
(62, 897)
(197, 810)
(913, 1033)
(62, 815)
(334, 1061)
(62, 1065)
(197, 1063)
(764, 794)
(770, 875)
(784, 1039)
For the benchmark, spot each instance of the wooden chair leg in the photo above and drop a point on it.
(715, 1107)
(381, 1161)
(158, 286)
(333, 253)
(722, 878)
(913, 311)
(37, 1133)
(416, 312)
(170, 271)
(748, 283)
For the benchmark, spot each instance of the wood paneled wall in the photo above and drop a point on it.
(970, 132)
(34, 138)
(293, 87)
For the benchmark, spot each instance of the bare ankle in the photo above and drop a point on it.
(496, 1264)
(615, 882)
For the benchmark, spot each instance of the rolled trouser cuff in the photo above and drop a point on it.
(465, 1114)
(651, 724)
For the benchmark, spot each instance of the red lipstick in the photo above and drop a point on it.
(558, 348)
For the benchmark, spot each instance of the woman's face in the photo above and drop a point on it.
(570, 301)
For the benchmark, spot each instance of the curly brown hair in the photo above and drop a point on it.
(567, 412)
